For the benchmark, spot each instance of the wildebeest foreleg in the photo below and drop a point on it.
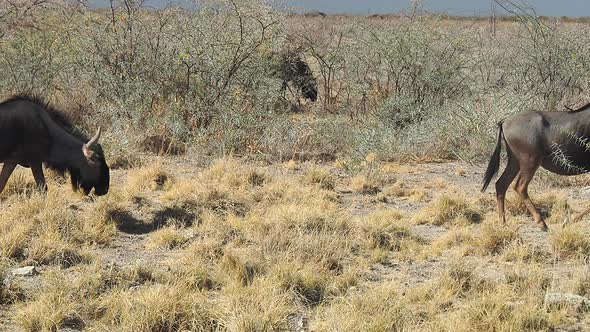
(521, 187)
(38, 175)
(502, 185)
(7, 169)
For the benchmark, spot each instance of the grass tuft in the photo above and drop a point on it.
(380, 308)
(450, 210)
(309, 284)
(569, 242)
(167, 238)
(386, 229)
(150, 178)
(365, 184)
(321, 177)
(159, 308)
(494, 238)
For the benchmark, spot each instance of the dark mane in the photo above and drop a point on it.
(60, 117)
(585, 107)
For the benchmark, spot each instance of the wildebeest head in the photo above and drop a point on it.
(95, 172)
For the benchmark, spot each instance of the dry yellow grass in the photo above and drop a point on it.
(495, 310)
(401, 190)
(570, 241)
(395, 168)
(158, 308)
(231, 172)
(236, 247)
(386, 229)
(379, 309)
(450, 209)
(260, 307)
(321, 177)
(292, 165)
(21, 183)
(309, 284)
(581, 282)
(452, 239)
(523, 252)
(167, 238)
(150, 178)
(241, 265)
(493, 239)
(460, 171)
(365, 184)
(48, 229)
(341, 164)
(437, 184)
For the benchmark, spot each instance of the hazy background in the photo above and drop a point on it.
(453, 7)
(572, 8)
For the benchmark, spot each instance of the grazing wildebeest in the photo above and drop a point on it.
(556, 141)
(292, 68)
(33, 133)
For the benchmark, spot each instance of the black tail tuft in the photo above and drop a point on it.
(494, 164)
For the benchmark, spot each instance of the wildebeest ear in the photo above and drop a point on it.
(87, 152)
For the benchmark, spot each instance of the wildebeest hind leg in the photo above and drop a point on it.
(521, 187)
(503, 183)
(7, 169)
(38, 175)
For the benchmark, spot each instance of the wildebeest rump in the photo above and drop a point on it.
(33, 133)
(556, 141)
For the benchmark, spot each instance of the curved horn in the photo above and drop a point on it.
(94, 139)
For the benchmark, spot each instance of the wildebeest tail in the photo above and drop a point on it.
(494, 164)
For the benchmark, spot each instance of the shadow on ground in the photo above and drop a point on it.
(127, 223)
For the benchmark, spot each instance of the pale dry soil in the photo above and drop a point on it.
(424, 183)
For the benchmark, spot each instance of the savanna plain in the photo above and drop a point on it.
(236, 204)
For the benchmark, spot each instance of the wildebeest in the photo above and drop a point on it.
(33, 133)
(556, 141)
(291, 68)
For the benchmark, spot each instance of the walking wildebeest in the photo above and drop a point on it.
(556, 141)
(292, 68)
(33, 133)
